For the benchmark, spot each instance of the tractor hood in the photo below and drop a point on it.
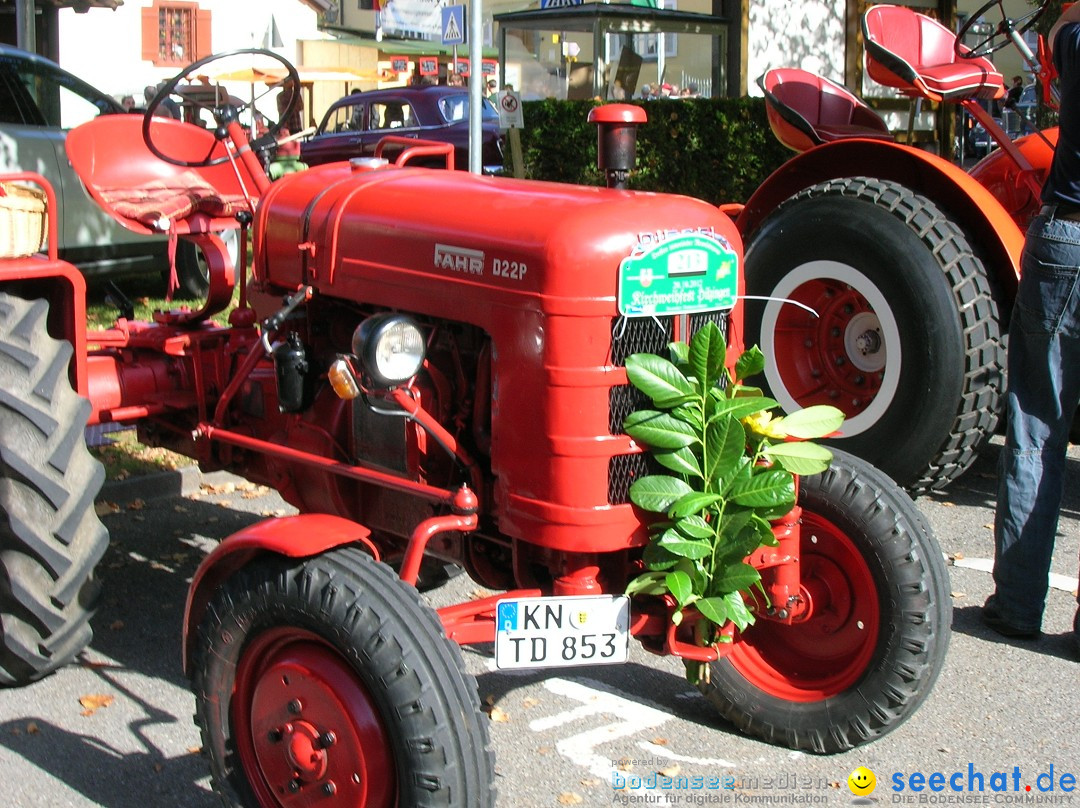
(380, 235)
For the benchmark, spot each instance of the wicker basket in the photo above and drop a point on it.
(22, 220)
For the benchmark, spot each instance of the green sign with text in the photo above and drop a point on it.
(681, 275)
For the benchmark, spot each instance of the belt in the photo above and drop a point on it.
(1069, 212)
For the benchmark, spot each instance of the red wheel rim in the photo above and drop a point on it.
(836, 358)
(826, 654)
(306, 728)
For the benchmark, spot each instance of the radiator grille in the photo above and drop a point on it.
(642, 335)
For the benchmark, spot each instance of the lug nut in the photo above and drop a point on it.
(327, 739)
(295, 707)
(294, 786)
(274, 736)
(329, 788)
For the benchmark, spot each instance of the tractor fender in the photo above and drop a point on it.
(989, 226)
(300, 536)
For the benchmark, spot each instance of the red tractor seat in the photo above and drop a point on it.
(806, 110)
(145, 193)
(917, 55)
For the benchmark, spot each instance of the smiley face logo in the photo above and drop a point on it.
(861, 782)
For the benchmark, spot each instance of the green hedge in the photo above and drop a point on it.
(717, 150)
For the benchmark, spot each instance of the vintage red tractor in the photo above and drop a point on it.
(430, 366)
(905, 265)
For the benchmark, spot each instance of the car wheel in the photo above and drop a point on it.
(192, 272)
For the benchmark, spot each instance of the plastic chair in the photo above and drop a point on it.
(917, 55)
(806, 110)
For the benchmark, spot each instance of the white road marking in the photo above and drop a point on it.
(633, 717)
(1062, 582)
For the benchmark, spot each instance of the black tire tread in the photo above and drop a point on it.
(370, 613)
(50, 535)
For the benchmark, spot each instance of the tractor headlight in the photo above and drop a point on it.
(391, 348)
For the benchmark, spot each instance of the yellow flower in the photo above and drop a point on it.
(762, 423)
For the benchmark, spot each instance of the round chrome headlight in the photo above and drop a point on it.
(390, 347)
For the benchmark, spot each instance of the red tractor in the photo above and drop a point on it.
(430, 366)
(903, 265)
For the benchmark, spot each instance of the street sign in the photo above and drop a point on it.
(509, 104)
(453, 25)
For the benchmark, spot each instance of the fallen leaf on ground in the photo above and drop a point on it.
(570, 798)
(660, 741)
(136, 505)
(529, 701)
(670, 771)
(103, 508)
(95, 702)
(499, 715)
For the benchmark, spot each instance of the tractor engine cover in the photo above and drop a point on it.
(539, 267)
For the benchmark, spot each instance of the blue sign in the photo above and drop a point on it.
(453, 25)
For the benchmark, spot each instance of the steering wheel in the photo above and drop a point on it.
(1000, 37)
(223, 110)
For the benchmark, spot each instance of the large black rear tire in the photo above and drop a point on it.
(875, 642)
(50, 536)
(907, 342)
(290, 651)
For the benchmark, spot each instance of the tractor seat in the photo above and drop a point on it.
(806, 110)
(917, 55)
(148, 195)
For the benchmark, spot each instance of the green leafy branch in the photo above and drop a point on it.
(733, 465)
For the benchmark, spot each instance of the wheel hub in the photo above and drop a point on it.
(313, 730)
(863, 343)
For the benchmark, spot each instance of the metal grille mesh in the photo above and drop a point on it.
(644, 335)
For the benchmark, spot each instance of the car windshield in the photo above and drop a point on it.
(455, 107)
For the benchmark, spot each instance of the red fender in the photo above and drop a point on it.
(290, 536)
(988, 225)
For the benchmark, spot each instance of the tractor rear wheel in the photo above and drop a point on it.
(327, 679)
(50, 536)
(905, 339)
(875, 640)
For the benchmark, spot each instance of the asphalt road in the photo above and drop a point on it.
(116, 730)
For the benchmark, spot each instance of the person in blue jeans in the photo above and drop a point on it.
(1043, 372)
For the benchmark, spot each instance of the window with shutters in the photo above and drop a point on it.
(175, 33)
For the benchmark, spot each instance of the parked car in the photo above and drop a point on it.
(39, 103)
(354, 125)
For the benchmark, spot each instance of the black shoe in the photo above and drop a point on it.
(1076, 631)
(992, 618)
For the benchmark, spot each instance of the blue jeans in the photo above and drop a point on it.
(1043, 391)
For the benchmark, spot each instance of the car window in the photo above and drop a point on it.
(392, 114)
(16, 105)
(346, 118)
(455, 107)
(64, 101)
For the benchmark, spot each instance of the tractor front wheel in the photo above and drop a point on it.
(875, 639)
(327, 681)
(897, 325)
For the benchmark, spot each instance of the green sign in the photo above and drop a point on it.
(682, 275)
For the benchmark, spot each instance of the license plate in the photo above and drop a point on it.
(562, 632)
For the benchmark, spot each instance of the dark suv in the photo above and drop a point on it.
(354, 124)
